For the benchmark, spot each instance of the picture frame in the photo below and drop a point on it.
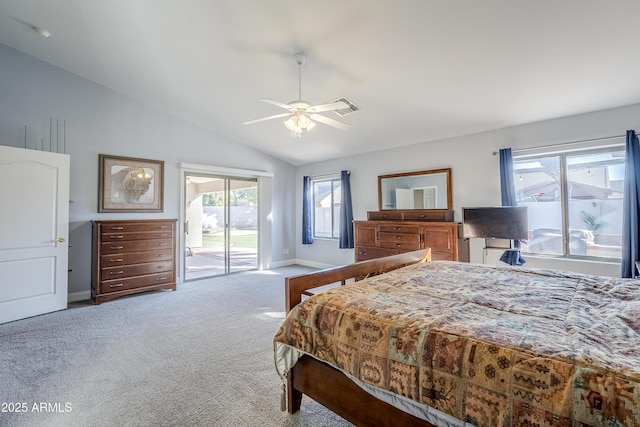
(128, 184)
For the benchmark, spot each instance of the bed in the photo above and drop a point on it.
(415, 342)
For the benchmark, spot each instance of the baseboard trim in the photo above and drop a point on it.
(298, 261)
(286, 262)
(313, 264)
(79, 296)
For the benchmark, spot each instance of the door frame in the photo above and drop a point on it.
(264, 209)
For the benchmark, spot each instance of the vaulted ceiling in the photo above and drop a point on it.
(419, 70)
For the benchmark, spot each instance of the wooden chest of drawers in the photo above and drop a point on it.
(131, 256)
(375, 239)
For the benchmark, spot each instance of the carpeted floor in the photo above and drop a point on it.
(200, 356)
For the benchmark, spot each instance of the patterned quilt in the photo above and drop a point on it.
(493, 346)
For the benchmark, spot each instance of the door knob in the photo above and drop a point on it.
(60, 239)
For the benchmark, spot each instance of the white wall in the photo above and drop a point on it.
(475, 176)
(99, 120)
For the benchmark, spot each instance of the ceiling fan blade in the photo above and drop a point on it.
(331, 122)
(279, 104)
(327, 107)
(266, 118)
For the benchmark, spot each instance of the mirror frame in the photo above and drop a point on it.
(446, 171)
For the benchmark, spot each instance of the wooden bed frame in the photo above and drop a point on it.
(327, 385)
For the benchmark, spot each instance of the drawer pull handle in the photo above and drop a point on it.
(117, 247)
(117, 285)
(162, 278)
(397, 237)
(162, 226)
(120, 236)
(117, 228)
(116, 260)
(162, 235)
(398, 245)
(113, 273)
(162, 244)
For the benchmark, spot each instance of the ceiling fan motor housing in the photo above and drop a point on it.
(301, 58)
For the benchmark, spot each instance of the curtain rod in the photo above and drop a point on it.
(565, 144)
(328, 175)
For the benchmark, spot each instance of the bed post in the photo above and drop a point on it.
(294, 397)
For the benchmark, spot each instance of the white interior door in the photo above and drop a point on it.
(430, 197)
(34, 225)
(404, 198)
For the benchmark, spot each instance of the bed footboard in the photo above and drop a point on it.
(296, 286)
(336, 392)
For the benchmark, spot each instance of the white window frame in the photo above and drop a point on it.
(334, 219)
(577, 149)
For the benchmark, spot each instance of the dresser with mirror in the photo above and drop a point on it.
(415, 212)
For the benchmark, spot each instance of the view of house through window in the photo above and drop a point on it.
(326, 207)
(574, 202)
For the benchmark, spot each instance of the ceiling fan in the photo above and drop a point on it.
(302, 115)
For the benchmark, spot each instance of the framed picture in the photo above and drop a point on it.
(128, 184)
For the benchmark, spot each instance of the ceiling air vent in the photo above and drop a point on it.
(351, 107)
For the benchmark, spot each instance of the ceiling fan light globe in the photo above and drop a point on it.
(303, 120)
(292, 125)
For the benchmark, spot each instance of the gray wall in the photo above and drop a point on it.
(98, 120)
(474, 171)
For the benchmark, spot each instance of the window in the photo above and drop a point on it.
(326, 207)
(574, 202)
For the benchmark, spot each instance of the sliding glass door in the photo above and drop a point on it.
(221, 227)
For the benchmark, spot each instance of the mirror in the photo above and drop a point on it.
(430, 189)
